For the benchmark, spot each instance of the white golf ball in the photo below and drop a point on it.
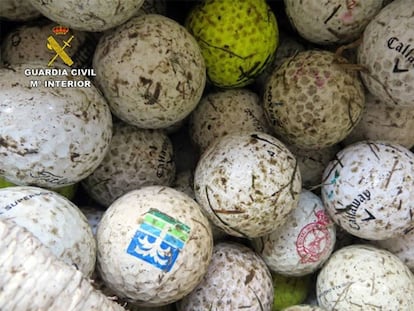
(237, 279)
(247, 183)
(55, 221)
(136, 158)
(151, 71)
(154, 246)
(387, 53)
(50, 137)
(368, 189)
(303, 243)
(362, 277)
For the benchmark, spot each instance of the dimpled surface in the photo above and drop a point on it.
(18, 10)
(333, 21)
(368, 189)
(362, 277)
(384, 122)
(55, 221)
(95, 15)
(151, 71)
(136, 278)
(312, 163)
(303, 243)
(224, 112)
(387, 52)
(26, 44)
(311, 101)
(237, 39)
(247, 183)
(237, 279)
(50, 137)
(136, 158)
(402, 246)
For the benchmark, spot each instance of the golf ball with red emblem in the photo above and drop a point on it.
(303, 243)
(368, 189)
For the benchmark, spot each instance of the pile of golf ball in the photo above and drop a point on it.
(209, 149)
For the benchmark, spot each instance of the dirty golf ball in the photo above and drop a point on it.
(94, 16)
(381, 121)
(247, 183)
(237, 279)
(154, 246)
(387, 53)
(136, 158)
(337, 21)
(18, 10)
(54, 220)
(151, 71)
(237, 38)
(362, 277)
(312, 101)
(50, 136)
(223, 112)
(303, 243)
(368, 189)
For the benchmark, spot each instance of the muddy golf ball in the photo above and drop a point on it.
(387, 53)
(223, 112)
(50, 137)
(311, 101)
(368, 189)
(362, 277)
(303, 243)
(26, 44)
(247, 183)
(151, 71)
(94, 16)
(381, 121)
(237, 38)
(136, 158)
(54, 220)
(237, 279)
(402, 246)
(18, 10)
(154, 246)
(336, 21)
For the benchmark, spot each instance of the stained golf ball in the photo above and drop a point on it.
(387, 53)
(368, 189)
(237, 279)
(154, 246)
(362, 277)
(303, 243)
(247, 183)
(237, 38)
(54, 220)
(334, 22)
(224, 112)
(311, 101)
(94, 16)
(150, 70)
(50, 137)
(136, 158)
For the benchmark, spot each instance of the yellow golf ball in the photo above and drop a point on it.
(237, 39)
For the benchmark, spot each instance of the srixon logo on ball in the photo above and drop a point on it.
(59, 43)
(406, 50)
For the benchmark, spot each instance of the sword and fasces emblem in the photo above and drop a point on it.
(159, 240)
(52, 44)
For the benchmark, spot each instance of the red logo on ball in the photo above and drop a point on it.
(314, 239)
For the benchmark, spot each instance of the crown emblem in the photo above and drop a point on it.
(60, 30)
